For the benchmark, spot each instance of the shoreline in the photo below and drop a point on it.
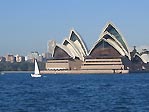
(3, 72)
(77, 72)
(84, 71)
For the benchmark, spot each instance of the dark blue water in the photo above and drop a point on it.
(74, 93)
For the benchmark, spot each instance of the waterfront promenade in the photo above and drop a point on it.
(84, 71)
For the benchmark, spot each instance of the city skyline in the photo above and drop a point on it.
(27, 26)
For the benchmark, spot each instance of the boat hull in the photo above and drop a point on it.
(35, 75)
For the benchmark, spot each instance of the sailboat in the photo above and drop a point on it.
(36, 71)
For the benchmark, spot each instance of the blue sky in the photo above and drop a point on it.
(27, 25)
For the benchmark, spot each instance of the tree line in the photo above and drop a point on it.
(20, 66)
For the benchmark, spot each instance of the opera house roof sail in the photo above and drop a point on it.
(111, 36)
(111, 28)
(78, 42)
(110, 44)
(70, 45)
(62, 52)
(73, 47)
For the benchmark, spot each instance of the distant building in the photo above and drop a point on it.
(46, 56)
(10, 58)
(20, 58)
(40, 58)
(34, 55)
(2, 59)
(51, 46)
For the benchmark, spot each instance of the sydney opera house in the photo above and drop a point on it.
(109, 54)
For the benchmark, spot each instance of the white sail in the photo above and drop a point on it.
(36, 72)
(36, 67)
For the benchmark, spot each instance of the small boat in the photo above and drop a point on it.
(36, 71)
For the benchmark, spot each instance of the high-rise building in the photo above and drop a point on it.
(34, 55)
(10, 58)
(51, 46)
(20, 58)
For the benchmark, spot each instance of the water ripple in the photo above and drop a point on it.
(74, 93)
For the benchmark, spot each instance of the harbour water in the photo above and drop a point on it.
(74, 93)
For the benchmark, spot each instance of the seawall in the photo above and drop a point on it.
(84, 72)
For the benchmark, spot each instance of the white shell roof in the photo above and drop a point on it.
(75, 46)
(70, 45)
(145, 58)
(121, 39)
(65, 49)
(78, 42)
(136, 54)
(115, 43)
